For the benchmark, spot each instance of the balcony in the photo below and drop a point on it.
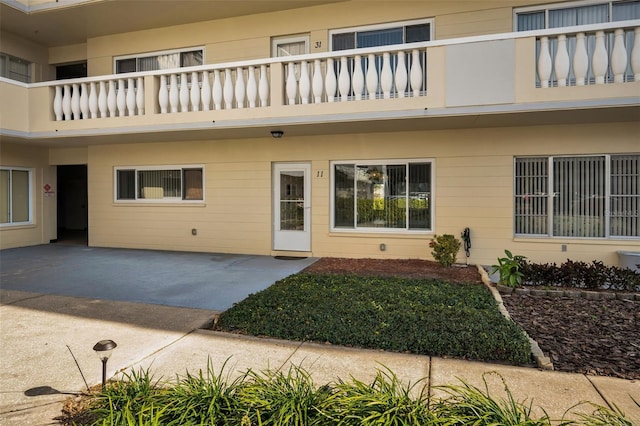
(504, 79)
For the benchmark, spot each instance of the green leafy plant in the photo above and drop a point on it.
(445, 249)
(509, 269)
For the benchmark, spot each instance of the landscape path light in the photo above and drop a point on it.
(103, 349)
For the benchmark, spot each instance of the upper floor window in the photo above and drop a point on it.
(577, 13)
(381, 35)
(382, 195)
(289, 46)
(173, 183)
(15, 196)
(159, 60)
(15, 68)
(583, 196)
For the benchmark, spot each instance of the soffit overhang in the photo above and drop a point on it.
(72, 22)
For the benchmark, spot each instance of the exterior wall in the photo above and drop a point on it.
(473, 188)
(29, 51)
(249, 37)
(43, 228)
(15, 114)
(66, 54)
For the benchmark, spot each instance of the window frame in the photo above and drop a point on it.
(550, 196)
(167, 200)
(384, 162)
(156, 53)
(275, 41)
(30, 196)
(383, 26)
(5, 57)
(556, 6)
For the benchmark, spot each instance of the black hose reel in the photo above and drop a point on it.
(466, 239)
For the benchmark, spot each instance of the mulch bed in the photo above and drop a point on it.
(597, 337)
(406, 268)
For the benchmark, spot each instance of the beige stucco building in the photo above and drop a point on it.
(345, 128)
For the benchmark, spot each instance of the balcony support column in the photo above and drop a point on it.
(151, 103)
(635, 55)
(277, 79)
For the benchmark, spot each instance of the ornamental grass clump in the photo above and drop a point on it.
(291, 398)
(445, 249)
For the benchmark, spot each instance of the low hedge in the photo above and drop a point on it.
(593, 276)
(428, 317)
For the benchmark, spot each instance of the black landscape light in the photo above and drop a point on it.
(103, 349)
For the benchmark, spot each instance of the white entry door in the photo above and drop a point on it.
(292, 206)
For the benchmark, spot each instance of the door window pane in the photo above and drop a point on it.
(292, 201)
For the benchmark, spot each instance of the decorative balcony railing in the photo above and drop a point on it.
(380, 73)
(357, 76)
(110, 97)
(589, 57)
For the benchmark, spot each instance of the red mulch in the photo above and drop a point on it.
(597, 337)
(405, 268)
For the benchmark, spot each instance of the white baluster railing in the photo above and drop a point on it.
(93, 99)
(352, 76)
(598, 56)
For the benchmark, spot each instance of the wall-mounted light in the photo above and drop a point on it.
(277, 134)
(103, 349)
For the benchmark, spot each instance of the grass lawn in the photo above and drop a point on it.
(429, 317)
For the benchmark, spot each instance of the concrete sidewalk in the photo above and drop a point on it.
(39, 332)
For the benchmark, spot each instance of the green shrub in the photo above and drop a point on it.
(594, 275)
(445, 249)
(509, 269)
(428, 317)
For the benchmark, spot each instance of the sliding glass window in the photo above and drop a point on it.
(382, 195)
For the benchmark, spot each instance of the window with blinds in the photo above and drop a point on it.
(166, 184)
(585, 196)
(557, 15)
(381, 35)
(15, 68)
(159, 61)
(395, 196)
(15, 196)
